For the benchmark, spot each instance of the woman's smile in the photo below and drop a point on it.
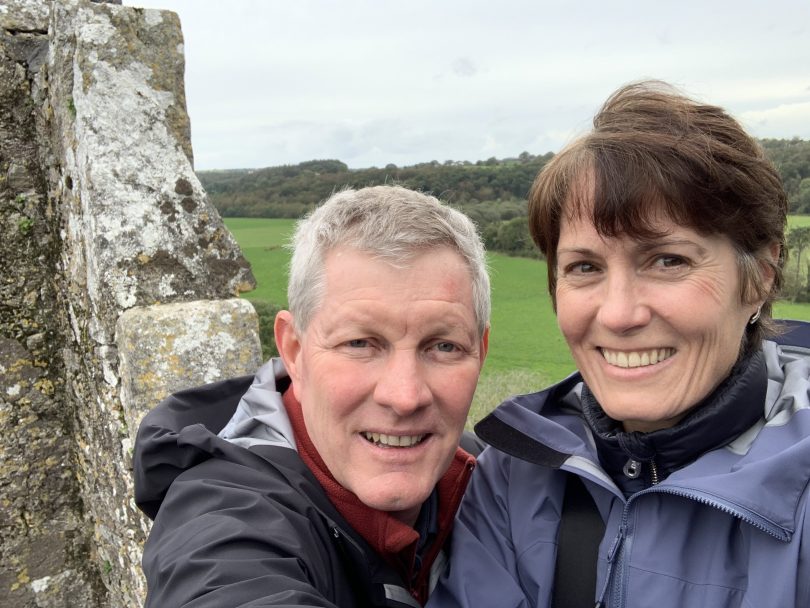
(636, 358)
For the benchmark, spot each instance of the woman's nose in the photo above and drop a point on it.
(623, 306)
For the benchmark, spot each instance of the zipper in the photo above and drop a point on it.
(615, 555)
(653, 473)
(632, 469)
(729, 508)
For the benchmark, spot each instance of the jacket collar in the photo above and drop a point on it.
(734, 406)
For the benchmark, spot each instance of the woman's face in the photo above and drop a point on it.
(654, 326)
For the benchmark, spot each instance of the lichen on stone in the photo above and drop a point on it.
(109, 250)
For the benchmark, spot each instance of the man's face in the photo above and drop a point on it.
(385, 372)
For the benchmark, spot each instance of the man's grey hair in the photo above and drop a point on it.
(390, 223)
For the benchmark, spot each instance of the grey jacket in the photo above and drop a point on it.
(240, 521)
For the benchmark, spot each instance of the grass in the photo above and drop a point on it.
(797, 221)
(262, 241)
(791, 310)
(527, 351)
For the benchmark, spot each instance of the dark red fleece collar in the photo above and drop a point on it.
(395, 541)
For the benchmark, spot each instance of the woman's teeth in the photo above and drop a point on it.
(637, 358)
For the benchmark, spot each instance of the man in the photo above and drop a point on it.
(332, 477)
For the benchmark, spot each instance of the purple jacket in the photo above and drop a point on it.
(726, 530)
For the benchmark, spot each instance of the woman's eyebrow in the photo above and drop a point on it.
(646, 245)
(576, 250)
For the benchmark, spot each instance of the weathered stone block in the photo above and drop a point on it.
(138, 224)
(24, 16)
(116, 284)
(169, 347)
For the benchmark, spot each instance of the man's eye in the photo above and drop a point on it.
(359, 343)
(445, 347)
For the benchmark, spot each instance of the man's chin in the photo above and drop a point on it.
(403, 500)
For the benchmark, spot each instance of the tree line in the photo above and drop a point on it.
(792, 159)
(292, 190)
(483, 186)
(492, 192)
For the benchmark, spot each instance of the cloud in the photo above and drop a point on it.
(370, 83)
(782, 122)
(463, 67)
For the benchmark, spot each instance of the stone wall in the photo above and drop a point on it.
(117, 286)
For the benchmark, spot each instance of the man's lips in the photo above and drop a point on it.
(393, 441)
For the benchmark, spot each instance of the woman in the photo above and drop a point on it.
(687, 426)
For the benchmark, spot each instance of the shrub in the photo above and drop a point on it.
(267, 316)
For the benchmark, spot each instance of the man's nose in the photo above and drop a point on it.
(401, 385)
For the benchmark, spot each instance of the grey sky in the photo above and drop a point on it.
(372, 82)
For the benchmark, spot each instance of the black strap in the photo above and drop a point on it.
(581, 530)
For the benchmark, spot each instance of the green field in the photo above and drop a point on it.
(527, 350)
(262, 241)
(798, 221)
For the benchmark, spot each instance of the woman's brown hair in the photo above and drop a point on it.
(654, 150)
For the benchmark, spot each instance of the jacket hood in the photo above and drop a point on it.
(214, 420)
(260, 417)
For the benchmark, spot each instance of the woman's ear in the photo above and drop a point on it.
(773, 253)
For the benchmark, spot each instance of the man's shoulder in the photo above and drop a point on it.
(211, 405)
(267, 475)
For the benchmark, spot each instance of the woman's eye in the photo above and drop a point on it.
(669, 261)
(580, 268)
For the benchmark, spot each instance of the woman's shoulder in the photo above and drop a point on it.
(541, 428)
(787, 360)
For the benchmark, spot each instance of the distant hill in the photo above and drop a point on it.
(292, 190)
(489, 190)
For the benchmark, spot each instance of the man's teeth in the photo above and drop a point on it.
(638, 358)
(398, 441)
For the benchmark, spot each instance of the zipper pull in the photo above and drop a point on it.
(632, 468)
(611, 556)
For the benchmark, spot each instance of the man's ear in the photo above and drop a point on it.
(289, 346)
(484, 348)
